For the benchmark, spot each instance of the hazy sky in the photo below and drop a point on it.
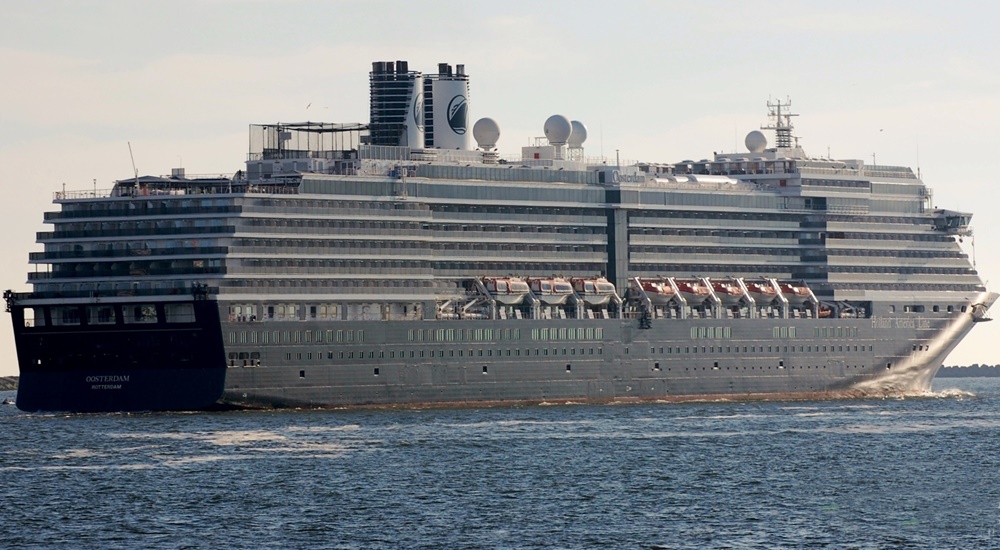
(913, 83)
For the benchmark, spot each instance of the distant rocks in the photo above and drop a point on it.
(971, 371)
(8, 383)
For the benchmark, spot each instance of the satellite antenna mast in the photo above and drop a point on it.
(781, 122)
(134, 170)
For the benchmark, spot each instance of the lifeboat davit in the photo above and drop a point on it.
(728, 291)
(595, 292)
(506, 290)
(551, 291)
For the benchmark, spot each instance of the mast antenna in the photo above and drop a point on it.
(781, 122)
(134, 170)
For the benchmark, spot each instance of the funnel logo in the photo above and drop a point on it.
(418, 111)
(458, 114)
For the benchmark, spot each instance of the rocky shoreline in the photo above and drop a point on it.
(8, 383)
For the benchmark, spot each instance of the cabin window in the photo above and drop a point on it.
(69, 315)
(100, 315)
(138, 314)
(34, 317)
(179, 313)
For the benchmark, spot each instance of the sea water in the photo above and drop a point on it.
(874, 473)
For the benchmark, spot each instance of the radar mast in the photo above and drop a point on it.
(780, 115)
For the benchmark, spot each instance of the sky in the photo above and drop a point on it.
(904, 83)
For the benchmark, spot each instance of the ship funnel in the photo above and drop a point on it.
(397, 105)
(449, 123)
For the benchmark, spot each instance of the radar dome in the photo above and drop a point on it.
(558, 129)
(487, 132)
(579, 134)
(756, 142)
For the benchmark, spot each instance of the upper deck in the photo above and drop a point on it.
(390, 208)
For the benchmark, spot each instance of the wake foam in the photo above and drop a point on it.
(951, 393)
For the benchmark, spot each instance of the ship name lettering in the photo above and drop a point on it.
(618, 177)
(107, 378)
(881, 322)
(901, 322)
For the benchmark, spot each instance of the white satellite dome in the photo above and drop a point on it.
(558, 129)
(579, 134)
(487, 132)
(756, 142)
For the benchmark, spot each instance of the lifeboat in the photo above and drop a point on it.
(659, 291)
(761, 290)
(692, 290)
(551, 291)
(595, 292)
(506, 290)
(727, 291)
(796, 294)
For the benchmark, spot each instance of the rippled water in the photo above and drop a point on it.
(920, 473)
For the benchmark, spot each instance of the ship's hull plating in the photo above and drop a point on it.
(661, 363)
(209, 364)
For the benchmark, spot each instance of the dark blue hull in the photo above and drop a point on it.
(113, 390)
(119, 366)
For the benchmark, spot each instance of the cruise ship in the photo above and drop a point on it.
(397, 263)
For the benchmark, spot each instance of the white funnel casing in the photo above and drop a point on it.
(451, 114)
(415, 114)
